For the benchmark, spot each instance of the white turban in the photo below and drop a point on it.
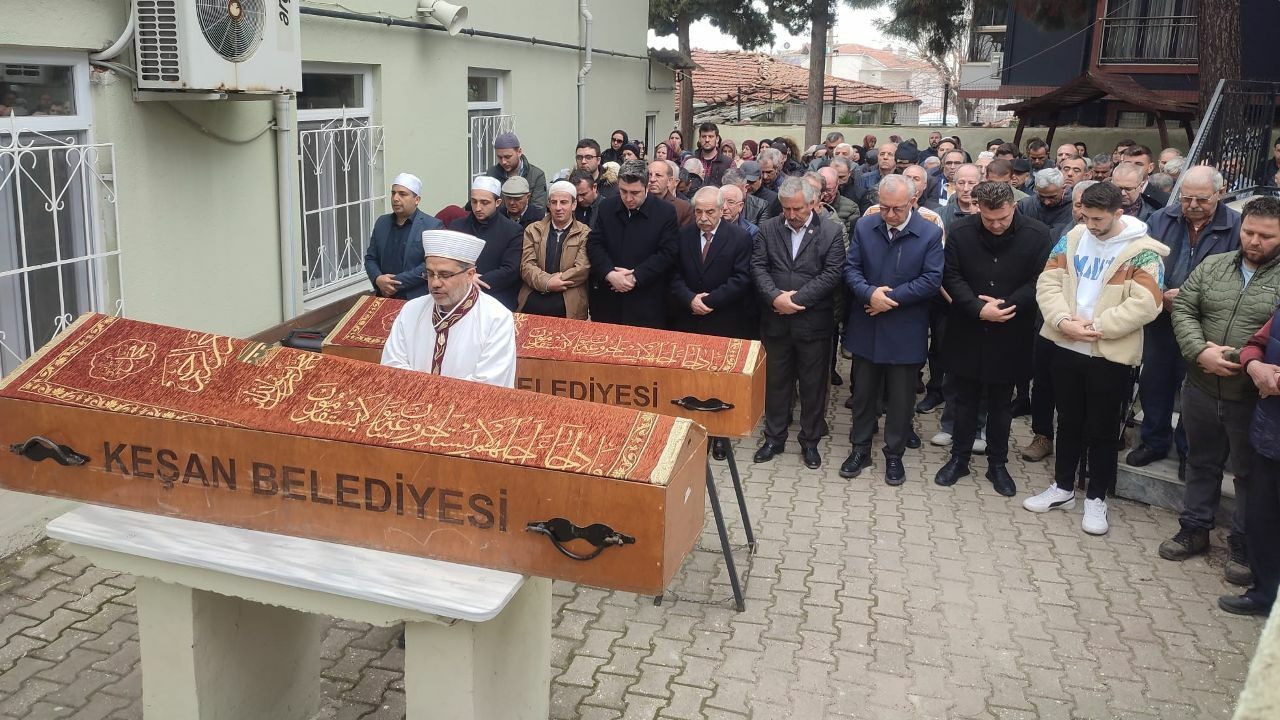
(452, 244)
(484, 182)
(563, 186)
(409, 182)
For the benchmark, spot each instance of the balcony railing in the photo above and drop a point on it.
(1150, 40)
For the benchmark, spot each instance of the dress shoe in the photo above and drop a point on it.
(1019, 407)
(719, 448)
(854, 464)
(1040, 448)
(1143, 455)
(1242, 605)
(930, 402)
(913, 440)
(812, 459)
(956, 468)
(767, 452)
(848, 402)
(836, 379)
(1001, 480)
(894, 473)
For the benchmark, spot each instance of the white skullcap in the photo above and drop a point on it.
(453, 245)
(484, 182)
(409, 182)
(563, 186)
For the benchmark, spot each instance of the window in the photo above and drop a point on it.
(340, 178)
(650, 131)
(59, 252)
(1150, 32)
(486, 93)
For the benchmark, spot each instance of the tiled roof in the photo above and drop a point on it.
(762, 77)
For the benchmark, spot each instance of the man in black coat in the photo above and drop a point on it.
(796, 264)
(631, 248)
(993, 262)
(498, 267)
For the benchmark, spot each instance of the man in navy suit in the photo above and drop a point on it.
(795, 265)
(893, 271)
(394, 260)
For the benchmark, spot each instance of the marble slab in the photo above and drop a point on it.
(402, 581)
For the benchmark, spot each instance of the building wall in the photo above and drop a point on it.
(198, 216)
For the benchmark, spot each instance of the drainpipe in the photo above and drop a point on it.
(284, 202)
(586, 68)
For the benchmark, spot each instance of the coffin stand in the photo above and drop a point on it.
(714, 381)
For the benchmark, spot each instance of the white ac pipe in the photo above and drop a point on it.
(114, 48)
(585, 69)
(284, 187)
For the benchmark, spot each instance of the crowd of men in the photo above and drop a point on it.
(1028, 283)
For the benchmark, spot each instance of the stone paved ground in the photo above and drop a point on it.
(864, 602)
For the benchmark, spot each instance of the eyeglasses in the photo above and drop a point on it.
(585, 157)
(441, 276)
(1193, 199)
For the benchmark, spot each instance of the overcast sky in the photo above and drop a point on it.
(852, 26)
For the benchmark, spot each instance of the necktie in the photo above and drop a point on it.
(706, 245)
(893, 234)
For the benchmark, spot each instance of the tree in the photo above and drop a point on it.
(1219, 36)
(741, 20)
(939, 32)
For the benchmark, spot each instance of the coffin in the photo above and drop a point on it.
(204, 427)
(717, 382)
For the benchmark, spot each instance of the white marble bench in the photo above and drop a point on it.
(230, 619)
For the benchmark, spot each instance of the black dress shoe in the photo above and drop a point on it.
(894, 473)
(1143, 455)
(812, 459)
(955, 469)
(719, 448)
(767, 452)
(848, 402)
(1019, 407)
(1001, 480)
(913, 440)
(930, 402)
(854, 464)
(836, 379)
(1242, 605)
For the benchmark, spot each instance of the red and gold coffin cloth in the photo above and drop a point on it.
(645, 368)
(136, 368)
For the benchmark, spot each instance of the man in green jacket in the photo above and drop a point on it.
(1224, 301)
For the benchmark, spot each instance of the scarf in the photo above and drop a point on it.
(442, 321)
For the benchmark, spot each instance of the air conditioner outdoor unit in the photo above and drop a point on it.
(226, 46)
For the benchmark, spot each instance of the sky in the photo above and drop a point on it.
(852, 26)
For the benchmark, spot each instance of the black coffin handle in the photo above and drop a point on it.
(689, 402)
(560, 531)
(42, 448)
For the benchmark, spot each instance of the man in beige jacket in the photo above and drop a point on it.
(553, 264)
(1101, 285)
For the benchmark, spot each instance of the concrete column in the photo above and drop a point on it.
(495, 670)
(211, 657)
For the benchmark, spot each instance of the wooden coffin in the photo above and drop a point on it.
(210, 428)
(717, 382)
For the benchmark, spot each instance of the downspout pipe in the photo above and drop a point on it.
(587, 19)
(284, 188)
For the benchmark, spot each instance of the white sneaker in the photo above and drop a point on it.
(979, 446)
(942, 439)
(1095, 517)
(1055, 498)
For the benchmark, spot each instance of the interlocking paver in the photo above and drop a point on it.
(864, 601)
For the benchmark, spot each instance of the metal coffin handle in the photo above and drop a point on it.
(689, 402)
(42, 448)
(561, 531)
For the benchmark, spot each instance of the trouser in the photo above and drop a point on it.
(947, 423)
(937, 331)
(788, 363)
(1042, 399)
(1092, 394)
(1162, 372)
(897, 384)
(1217, 433)
(969, 395)
(1262, 528)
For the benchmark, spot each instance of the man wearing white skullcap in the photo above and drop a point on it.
(498, 267)
(455, 330)
(394, 259)
(554, 265)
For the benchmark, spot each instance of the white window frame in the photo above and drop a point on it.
(372, 202)
(97, 277)
(501, 76)
(483, 128)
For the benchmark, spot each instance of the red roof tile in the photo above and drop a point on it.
(761, 77)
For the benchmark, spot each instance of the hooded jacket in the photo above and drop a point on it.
(1130, 295)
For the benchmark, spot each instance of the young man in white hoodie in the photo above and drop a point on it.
(1101, 285)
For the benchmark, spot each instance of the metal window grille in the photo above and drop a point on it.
(59, 237)
(1235, 138)
(340, 169)
(486, 126)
